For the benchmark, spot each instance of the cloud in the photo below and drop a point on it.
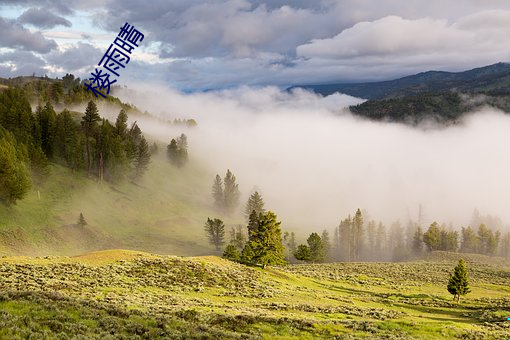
(15, 36)
(42, 18)
(60, 6)
(21, 62)
(76, 57)
(314, 163)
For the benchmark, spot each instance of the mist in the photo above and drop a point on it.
(314, 163)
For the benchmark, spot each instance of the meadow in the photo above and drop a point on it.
(136, 295)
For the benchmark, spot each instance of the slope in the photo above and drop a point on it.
(165, 213)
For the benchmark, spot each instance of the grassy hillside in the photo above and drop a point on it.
(138, 295)
(164, 212)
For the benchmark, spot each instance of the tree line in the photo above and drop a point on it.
(357, 240)
(83, 142)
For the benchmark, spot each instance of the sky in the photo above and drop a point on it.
(194, 45)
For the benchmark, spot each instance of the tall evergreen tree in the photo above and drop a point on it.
(215, 231)
(121, 126)
(67, 139)
(418, 241)
(143, 158)
(381, 240)
(266, 241)
(46, 118)
(253, 225)
(316, 247)
(14, 176)
(326, 243)
(357, 234)
(89, 122)
(432, 237)
(231, 192)
(237, 237)
(217, 193)
(345, 231)
(255, 203)
(470, 243)
(458, 283)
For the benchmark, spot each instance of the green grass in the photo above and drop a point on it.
(140, 295)
(164, 212)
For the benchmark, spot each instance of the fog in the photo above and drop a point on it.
(314, 163)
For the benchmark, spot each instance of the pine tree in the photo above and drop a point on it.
(177, 151)
(316, 247)
(458, 283)
(326, 243)
(255, 203)
(89, 122)
(357, 234)
(215, 230)
(231, 192)
(67, 139)
(121, 126)
(247, 254)
(289, 240)
(381, 239)
(237, 237)
(253, 225)
(345, 233)
(14, 175)
(303, 253)
(81, 221)
(46, 118)
(143, 158)
(418, 241)
(432, 237)
(266, 241)
(217, 193)
(232, 253)
(470, 243)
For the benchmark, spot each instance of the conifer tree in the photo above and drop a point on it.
(470, 243)
(215, 231)
(255, 203)
(217, 192)
(121, 126)
(316, 247)
(81, 220)
(89, 122)
(231, 192)
(266, 241)
(143, 158)
(458, 283)
(326, 243)
(303, 253)
(231, 253)
(357, 234)
(14, 175)
(432, 237)
(418, 241)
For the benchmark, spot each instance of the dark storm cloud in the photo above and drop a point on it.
(16, 36)
(42, 18)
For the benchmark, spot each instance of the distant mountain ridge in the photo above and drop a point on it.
(492, 79)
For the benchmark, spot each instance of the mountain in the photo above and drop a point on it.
(488, 79)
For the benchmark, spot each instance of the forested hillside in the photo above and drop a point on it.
(443, 97)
